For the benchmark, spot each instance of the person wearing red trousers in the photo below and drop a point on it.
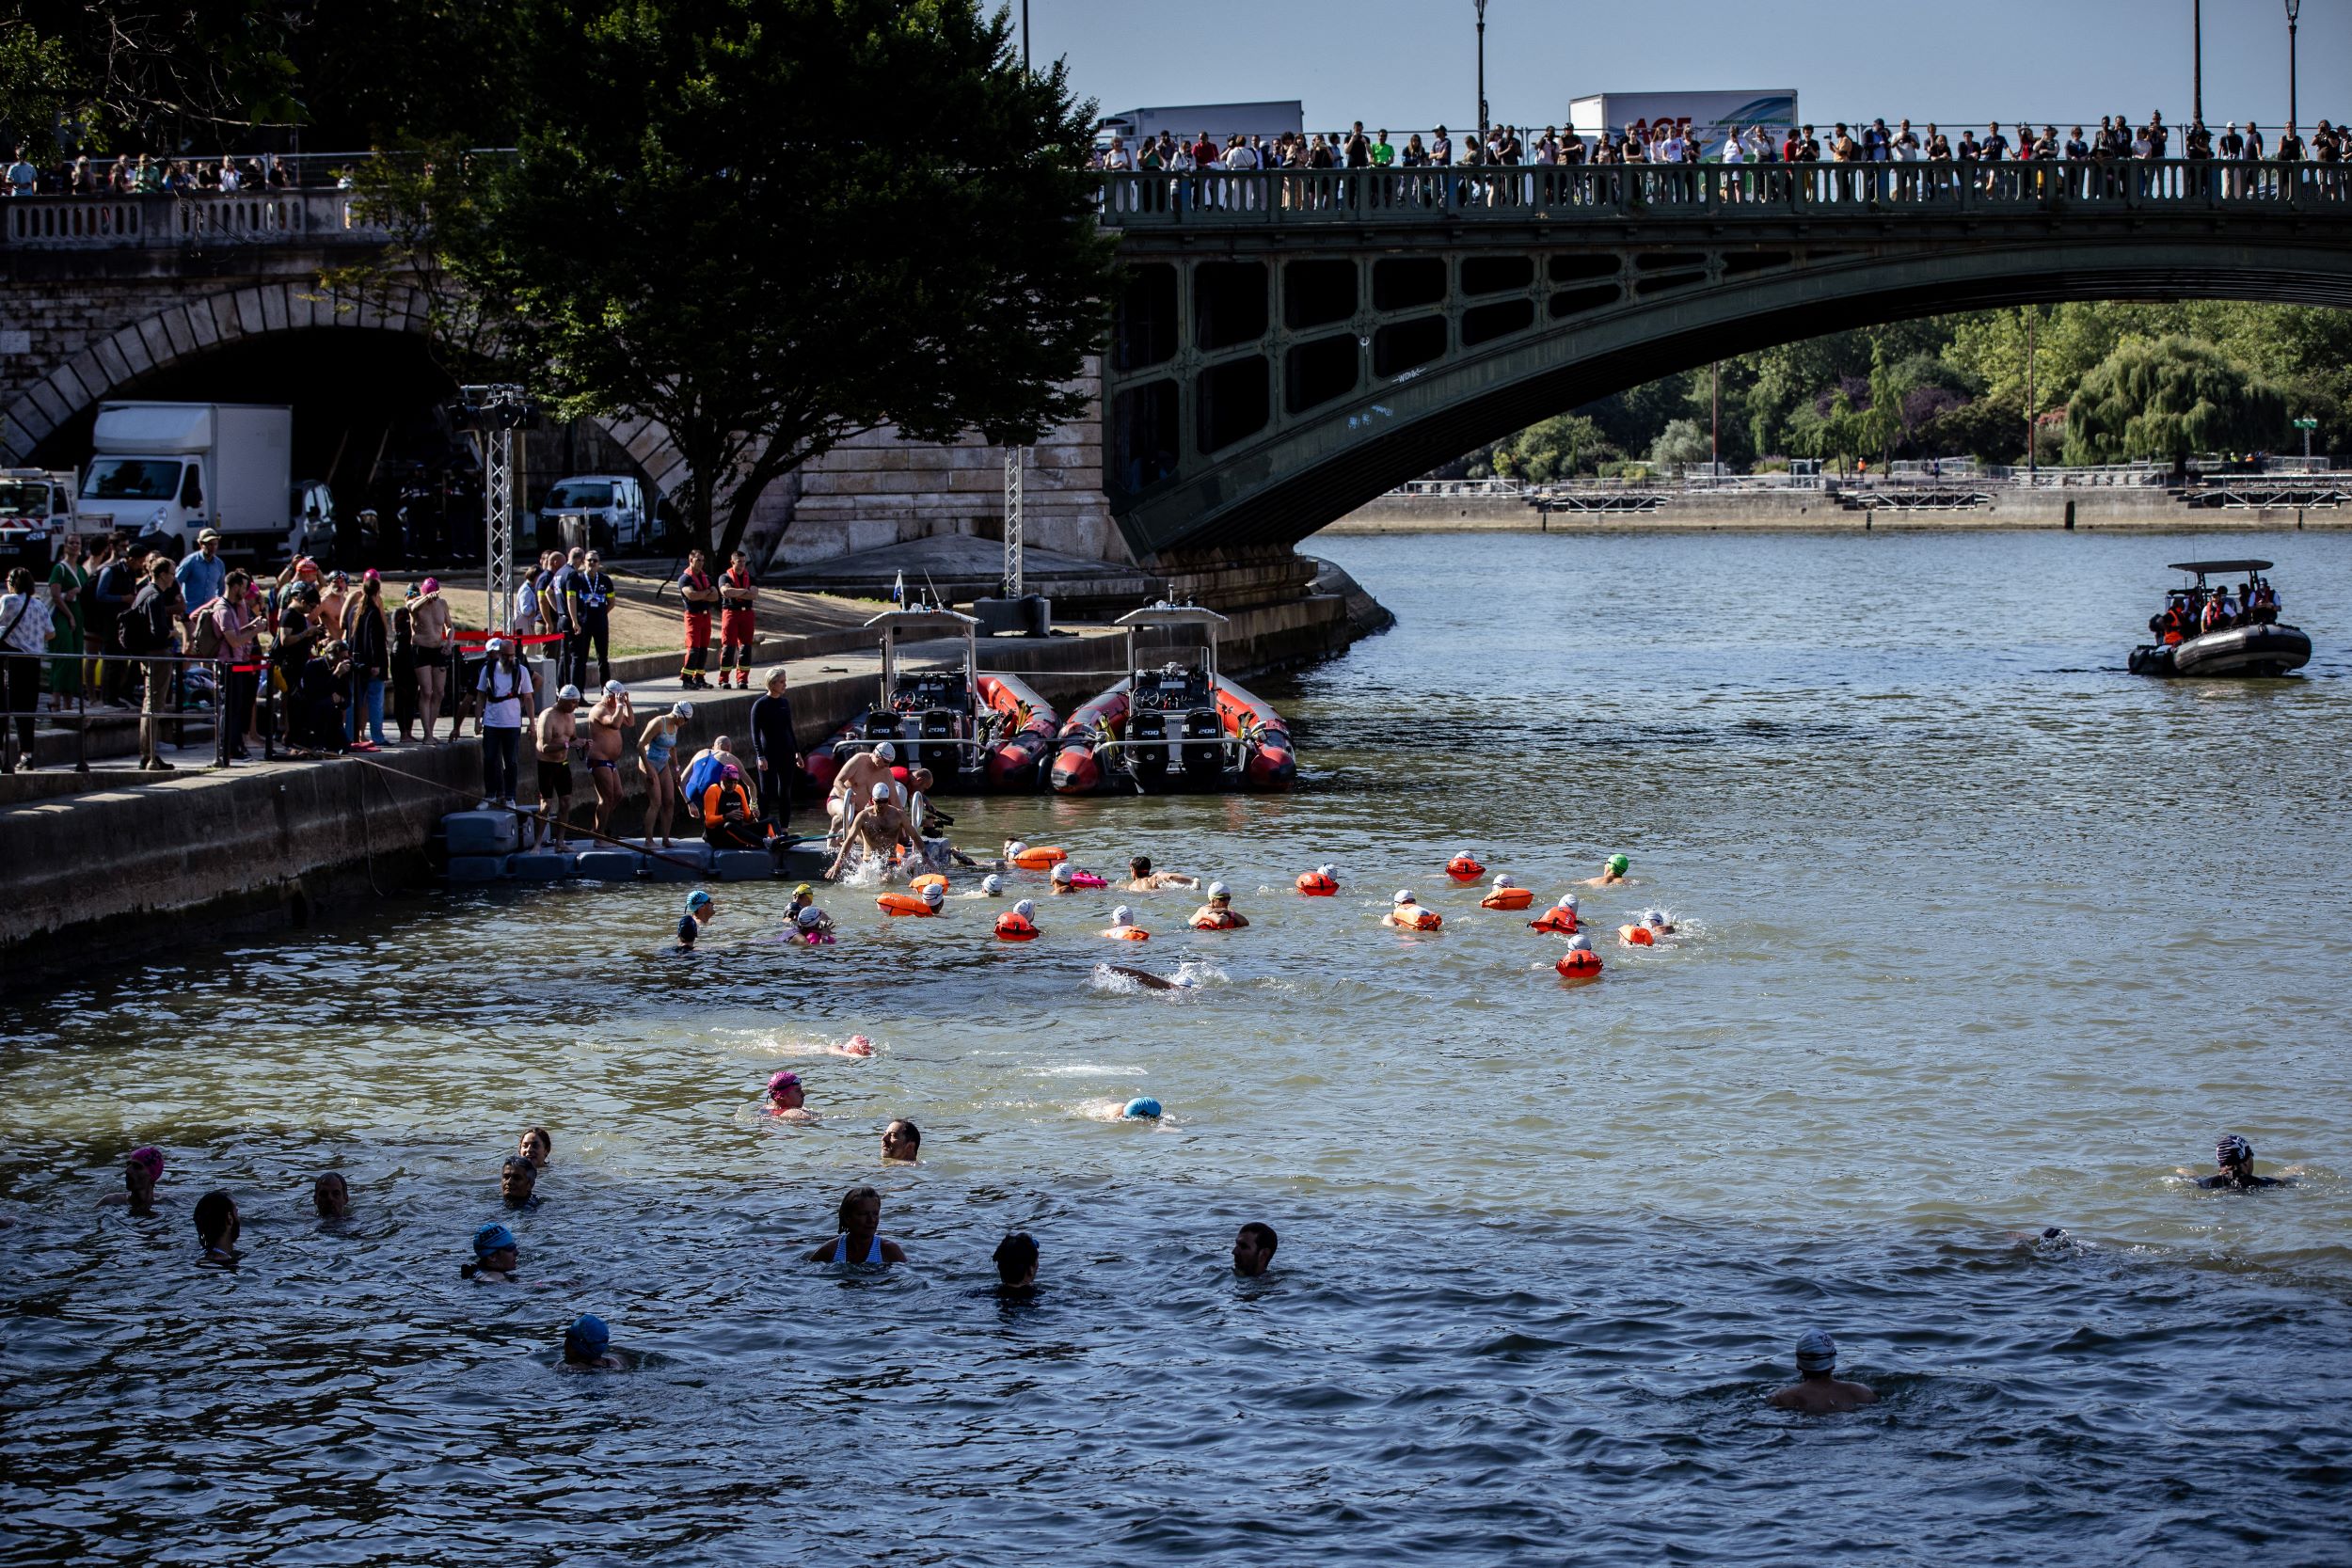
(695, 588)
(738, 600)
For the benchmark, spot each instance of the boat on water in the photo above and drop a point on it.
(1179, 725)
(974, 731)
(2242, 636)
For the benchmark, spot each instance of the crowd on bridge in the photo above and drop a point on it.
(156, 174)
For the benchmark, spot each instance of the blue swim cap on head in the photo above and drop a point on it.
(1142, 1105)
(490, 1239)
(696, 899)
(1815, 1352)
(587, 1337)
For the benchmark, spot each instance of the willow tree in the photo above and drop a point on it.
(772, 225)
(2170, 399)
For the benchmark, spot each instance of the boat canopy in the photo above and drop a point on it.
(1171, 615)
(2201, 567)
(942, 623)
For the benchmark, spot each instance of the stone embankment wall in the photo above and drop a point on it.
(2147, 508)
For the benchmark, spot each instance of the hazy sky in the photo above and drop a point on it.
(1410, 64)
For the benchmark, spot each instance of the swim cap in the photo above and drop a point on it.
(495, 644)
(490, 1239)
(1580, 944)
(1122, 916)
(804, 891)
(1403, 895)
(2233, 1151)
(1326, 870)
(152, 1158)
(886, 751)
(1652, 917)
(1060, 872)
(811, 915)
(681, 711)
(1815, 1352)
(787, 1080)
(568, 694)
(1568, 901)
(1618, 864)
(881, 790)
(934, 894)
(1025, 909)
(371, 575)
(433, 585)
(1014, 849)
(1503, 879)
(1218, 890)
(1142, 1105)
(1465, 855)
(728, 770)
(696, 899)
(993, 885)
(613, 688)
(587, 1337)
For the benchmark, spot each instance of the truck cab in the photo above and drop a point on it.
(166, 471)
(36, 514)
(599, 511)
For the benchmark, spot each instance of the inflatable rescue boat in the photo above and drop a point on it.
(1181, 724)
(2254, 644)
(974, 731)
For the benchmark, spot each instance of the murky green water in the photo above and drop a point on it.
(1982, 935)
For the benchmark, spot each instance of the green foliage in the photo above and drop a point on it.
(150, 74)
(1560, 446)
(2170, 399)
(1681, 444)
(37, 83)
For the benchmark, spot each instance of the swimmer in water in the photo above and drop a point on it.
(495, 1257)
(902, 1142)
(1149, 982)
(1016, 1265)
(1405, 912)
(1142, 879)
(537, 1146)
(216, 1227)
(874, 833)
(991, 886)
(787, 1099)
(700, 912)
(2235, 1157)
(1217, 915)
(1059, 880)
(141, 1170)
(1253, 1249)
(1123, 926)
(330, 1194)
(1818, 1392)
(587, 1347)
(861, 1240)
(1658, 923)
(1613, 872)
(519, 1183)
(812, 928)
(856, 1045)
(803, 897)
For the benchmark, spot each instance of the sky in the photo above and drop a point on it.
(1412, 64)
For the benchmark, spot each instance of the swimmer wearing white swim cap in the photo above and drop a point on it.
(1218, 913)
(876, 833)
(1404, 912)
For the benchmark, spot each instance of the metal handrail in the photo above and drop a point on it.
(1555, 193)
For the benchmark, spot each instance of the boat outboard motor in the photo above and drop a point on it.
(1147, 756)
(1204, 749)
(882, 726)
(945, 761)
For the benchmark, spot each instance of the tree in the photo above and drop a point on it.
(2169, 400)
(771, 225)
(150, 74)
(1554, 448)
(1679, 445)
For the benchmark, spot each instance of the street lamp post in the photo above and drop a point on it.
(1482, 81)
(1025, 35)
(2197, 62)
(2295, 12)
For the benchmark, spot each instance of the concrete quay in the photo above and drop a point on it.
(132, 863)
(2148, 509)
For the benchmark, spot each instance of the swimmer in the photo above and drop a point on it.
(495, 1257)
(700, 912)
(1613, 872)
(1123, 927)
(1149, 982)
(902, 1142)
(1016, 1265)
(1560, 918)
(537, 1146)
(856, 1045)
(1407, 914)
(1142, 879)
(991, 886)
(1218, 913)
(861, 1240)
(1058, 881)
(854, 783)
(1321, 882)
(2235, 1157)
(788, 1100)
(1657, 924)
(1141, 1108)
(1253, 1249)
(141, 1170)
(519, 1183)
(330, 1194)
(216, 1227)
(812, 928)
(587, 1347)
(1816, 1392)
(2052, 1242)
(876, 833)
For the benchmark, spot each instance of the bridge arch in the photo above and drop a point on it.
(1451, 329)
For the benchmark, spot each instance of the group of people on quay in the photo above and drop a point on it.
(2195, 610)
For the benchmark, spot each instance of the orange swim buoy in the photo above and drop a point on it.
(1213, 920)
(1422, 920)
(1579, 963)
(1508, 898)
(1315, 884)
(903, 903)
(1636, 936)
(1129, 933)
(1464, 869)
(1044, 858)
(928, 878)
(1554, 919)
(1015, 928)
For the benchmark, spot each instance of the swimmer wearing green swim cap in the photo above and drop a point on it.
(1613, 872)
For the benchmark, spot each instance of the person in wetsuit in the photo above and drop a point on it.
(2235, 1157)
(774, 750)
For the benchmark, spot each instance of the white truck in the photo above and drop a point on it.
(599, 511)
(35, 515)
(1707, 114)
(1269, 119)
(166, 471)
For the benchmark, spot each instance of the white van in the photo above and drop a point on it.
(601, 511)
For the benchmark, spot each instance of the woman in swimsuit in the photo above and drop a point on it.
(657, 748)
(861, 1240)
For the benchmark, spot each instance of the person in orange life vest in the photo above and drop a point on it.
(697, 592)
(729, 819)
(738, 601)
(1218, 913)
(1123, 927)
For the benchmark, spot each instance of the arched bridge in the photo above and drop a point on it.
(1289, 344)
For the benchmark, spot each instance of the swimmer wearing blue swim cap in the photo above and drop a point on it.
(1142, 1108)
(587, 1346)
(496, 1257)
(1818, 1390)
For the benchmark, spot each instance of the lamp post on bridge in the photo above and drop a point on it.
(2295, 12)
(1482, 81)
(2196, 60)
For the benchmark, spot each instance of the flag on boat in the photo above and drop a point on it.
(898, 590)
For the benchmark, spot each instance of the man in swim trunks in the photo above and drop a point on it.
(854, 784)
(902, 1142)
(555, 735)
(2235, 1157)
(1818, 1392)
(1218, 913)
(1142, 879)
(1612, 873)
(876, 833)
(1253, 1249)
(605, 735)
(861, 1240)
(429, 623)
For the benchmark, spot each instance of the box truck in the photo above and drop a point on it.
(1709, 115)
(1220, 120)
(166, 471)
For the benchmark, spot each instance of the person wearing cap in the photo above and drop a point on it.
(697, 592)
(700, 912)
(505, 686)
(2234, 1158)
(656, 758)
(1613, 872)
(606, 737)
(1123, 927)
(1818, 1392)
(587, 1347)
(1142, 879)
(1218, 913)
(775, 752)
(874, 833)
(1058, 882)
(788, 1100)
(853, 786)
(429, 644)
(202, 572)
(140, 1172)
(495, 1257)
(1405, 912)
(738, 608)
(991, 886)
(557, 736)
(812, 928)
(726, 814)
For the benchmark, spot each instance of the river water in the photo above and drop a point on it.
(1980, 935)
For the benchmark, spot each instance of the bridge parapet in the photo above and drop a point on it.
(184, 222)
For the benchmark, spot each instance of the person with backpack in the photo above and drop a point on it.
(146, 634)
(505, 689)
